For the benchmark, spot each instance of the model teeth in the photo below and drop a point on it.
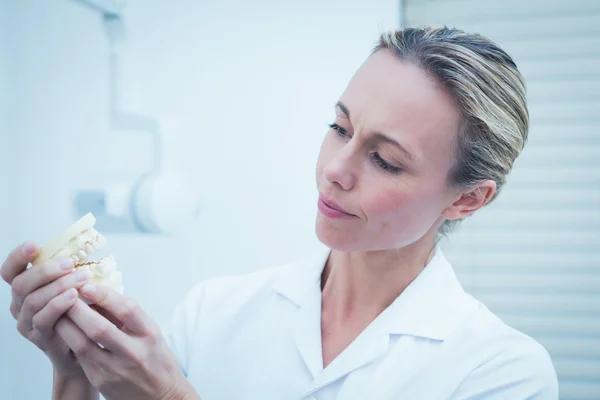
(64, 252)
(89, 249)
(101, 241)
(83, 245)
(79, 241)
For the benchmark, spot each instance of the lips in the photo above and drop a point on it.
(332, 209)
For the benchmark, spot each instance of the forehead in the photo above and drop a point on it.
(397, 98)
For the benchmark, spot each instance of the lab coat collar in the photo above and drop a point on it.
(300, 282)
(430, 307)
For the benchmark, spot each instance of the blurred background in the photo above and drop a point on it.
(240, 94)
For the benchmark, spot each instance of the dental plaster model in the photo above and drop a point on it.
(79, 241)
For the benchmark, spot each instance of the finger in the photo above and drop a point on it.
(106, 314)
(83, 348)
(17, 260)
(124, 308)
(34, 278)
(13, 310)
(37, 300)
(44, 321)
(99, 329)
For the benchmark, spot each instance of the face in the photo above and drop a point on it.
(385, 160)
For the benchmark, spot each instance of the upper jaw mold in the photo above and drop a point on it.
(79, 241)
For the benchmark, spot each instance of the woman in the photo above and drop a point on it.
(424, 135)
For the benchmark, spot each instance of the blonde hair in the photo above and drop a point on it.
(489, 90)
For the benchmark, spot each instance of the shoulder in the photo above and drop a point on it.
(509, 363)
(228, 292)
(221, 298)
(225, 295)
(213, 305)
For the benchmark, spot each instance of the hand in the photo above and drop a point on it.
(134, 361)
(40, 296)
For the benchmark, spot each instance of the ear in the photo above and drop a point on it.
(471, 200)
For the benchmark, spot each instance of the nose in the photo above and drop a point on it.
(339, 170)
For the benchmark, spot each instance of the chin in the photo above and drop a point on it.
(343, 238)
(336, 239)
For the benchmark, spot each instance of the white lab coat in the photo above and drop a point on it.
(258, 337)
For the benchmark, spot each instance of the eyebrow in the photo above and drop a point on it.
(380, 136)
(343, 109)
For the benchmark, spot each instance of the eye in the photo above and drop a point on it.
(340, 131)
(384, 165)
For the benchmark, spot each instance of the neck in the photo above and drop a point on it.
(360, 285)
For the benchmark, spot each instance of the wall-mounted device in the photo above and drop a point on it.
(160, 201)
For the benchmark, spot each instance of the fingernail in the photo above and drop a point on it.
(28, 248)
(82, 275)
(66, 264)
(70, 294)
(88, 289)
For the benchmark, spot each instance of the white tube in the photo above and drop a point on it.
(120, 117)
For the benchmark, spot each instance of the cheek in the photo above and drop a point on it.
(397, 218)
(385, 204)
(402, 205)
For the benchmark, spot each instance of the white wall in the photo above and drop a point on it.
(6, 221)
(252, 83)
(4, 135)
